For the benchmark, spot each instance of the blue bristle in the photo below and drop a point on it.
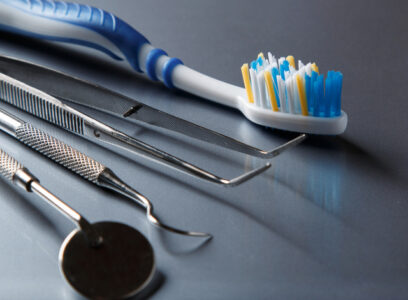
(253, 65)
(328, 97)
(313, 98)
(284, 67)
(259, 61)
(308, 92)
(315, 88)
(314, 76)
(337, 103)
(336, 94)
(282, 71)
(324, 96)
(275, 73)
(320, 101)
(316, 94)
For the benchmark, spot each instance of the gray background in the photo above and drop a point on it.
(329, 220)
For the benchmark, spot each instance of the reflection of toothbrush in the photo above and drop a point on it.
(302, 105)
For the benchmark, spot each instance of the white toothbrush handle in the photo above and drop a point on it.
(207, 87)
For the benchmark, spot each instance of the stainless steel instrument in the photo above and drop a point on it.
(81, 92)
(48, 108)
(81, 164)
(93, 256)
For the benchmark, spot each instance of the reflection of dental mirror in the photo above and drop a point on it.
(105, 260)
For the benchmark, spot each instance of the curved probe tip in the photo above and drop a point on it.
(152, 219)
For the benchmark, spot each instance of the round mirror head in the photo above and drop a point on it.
(120, 267)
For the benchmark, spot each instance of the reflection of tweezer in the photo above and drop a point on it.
(67, 88)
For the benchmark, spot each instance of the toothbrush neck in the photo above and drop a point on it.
(207, 87)
(187, 79)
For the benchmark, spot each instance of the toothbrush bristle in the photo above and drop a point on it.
(276, 84)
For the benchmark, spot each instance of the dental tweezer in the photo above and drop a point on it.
(74, 90)
(81, 164)
(48, 108)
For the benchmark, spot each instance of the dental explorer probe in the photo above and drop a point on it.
(81, 164)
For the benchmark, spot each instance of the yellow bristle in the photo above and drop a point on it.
(261, 55)
(271, 92)
(315, 68)
(247, 83)
(302, 95)
(291, 61)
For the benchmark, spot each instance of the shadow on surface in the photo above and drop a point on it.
(81, 60)
(24, 206)
(157, 282)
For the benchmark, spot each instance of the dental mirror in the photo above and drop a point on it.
(104, 260)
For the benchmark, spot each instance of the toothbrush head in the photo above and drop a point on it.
(283, 97)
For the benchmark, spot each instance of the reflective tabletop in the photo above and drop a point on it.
(328, 220)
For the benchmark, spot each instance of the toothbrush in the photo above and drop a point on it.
(276, 94)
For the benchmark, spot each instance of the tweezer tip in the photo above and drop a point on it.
(282, 148)
(246, 176)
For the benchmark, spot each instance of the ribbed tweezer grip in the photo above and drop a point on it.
(60, 152)
(8, 165)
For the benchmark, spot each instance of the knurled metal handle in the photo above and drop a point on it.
(60, 152)
(8, 165)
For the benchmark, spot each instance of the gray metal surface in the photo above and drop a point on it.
(328, 221)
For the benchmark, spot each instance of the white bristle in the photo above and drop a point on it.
(274, 65)
(300, 64)
(296, 98)
(281, 60)
(272, 59)
(266, 64)
(287, 75)
(303, 74)
(268, 99)
(294, 93)
(254, 85)
(308, 69)
(289, 93)
(256, 68)
(262, 89)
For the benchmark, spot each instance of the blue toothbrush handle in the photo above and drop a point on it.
(87, 26)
